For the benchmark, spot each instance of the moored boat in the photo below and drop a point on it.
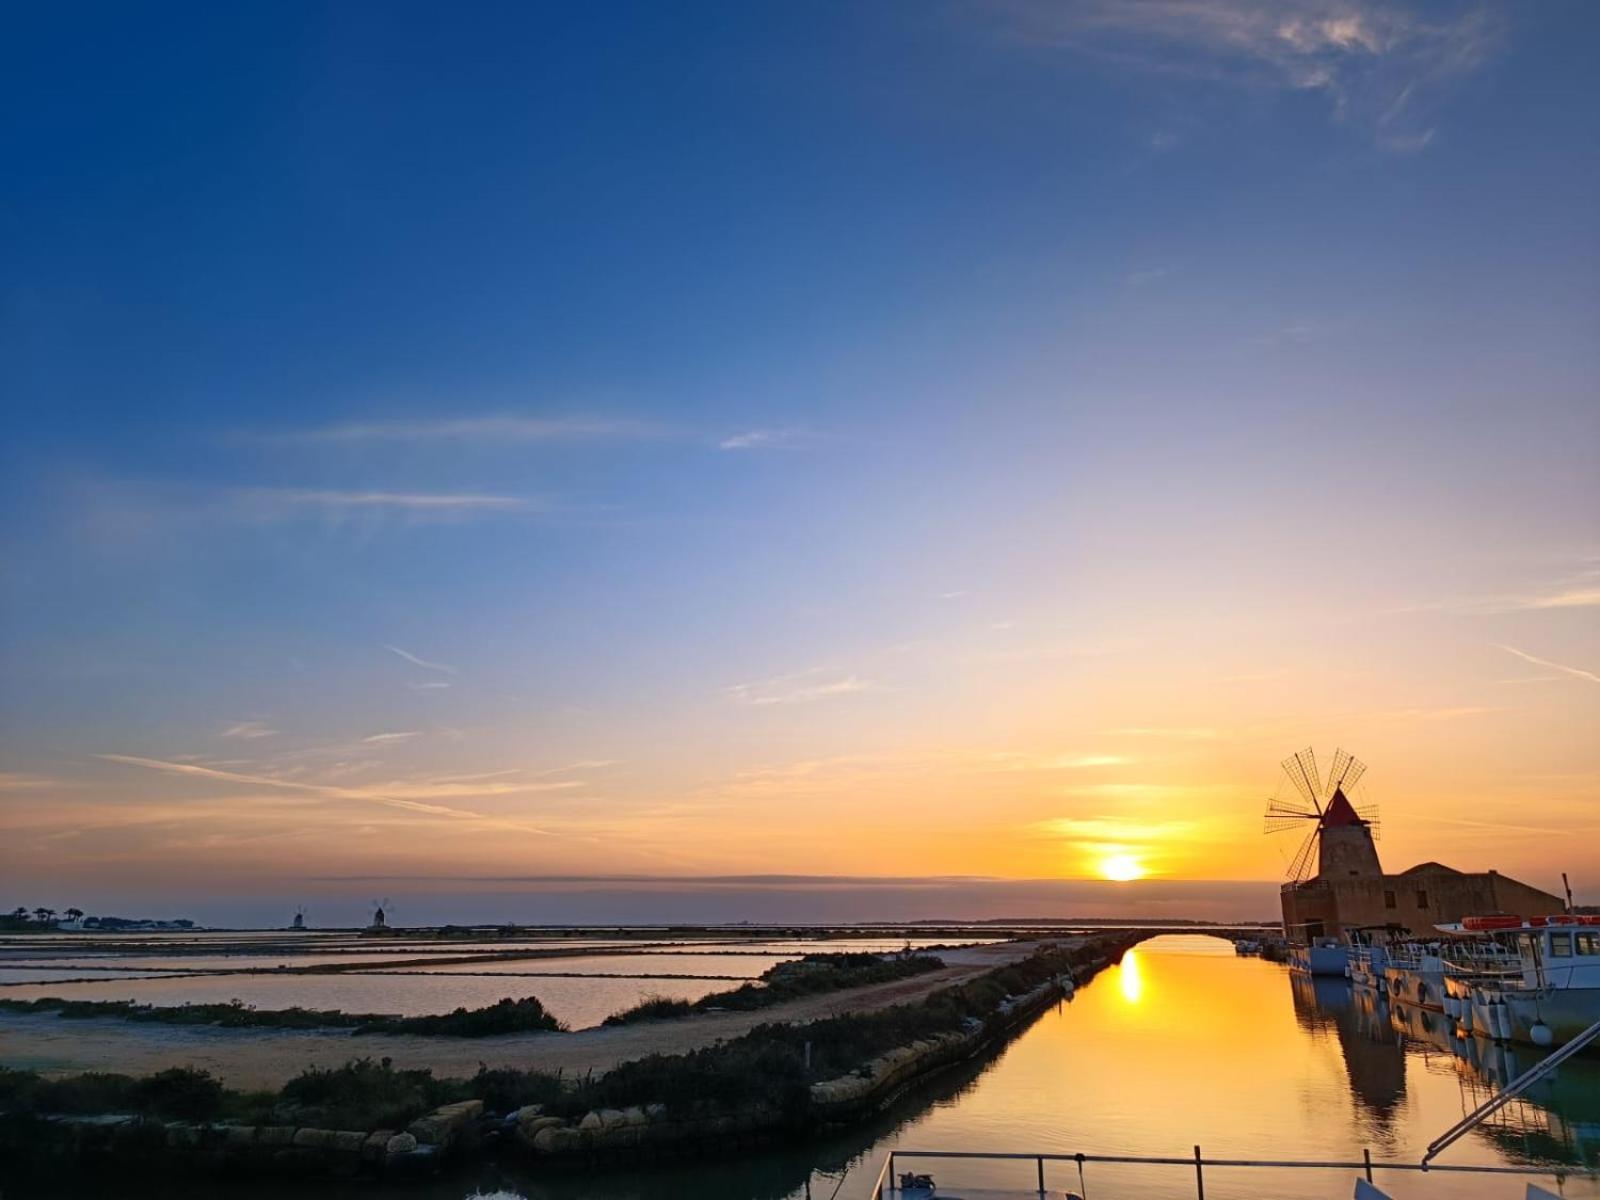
(1554, 992)
(1323, 956)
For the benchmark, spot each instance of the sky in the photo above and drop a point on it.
(708, 461)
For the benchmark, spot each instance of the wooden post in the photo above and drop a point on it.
(1366, 1155)
(1040, 1162)
(1199, 1176)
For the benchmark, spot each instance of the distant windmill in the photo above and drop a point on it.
(1341, 833)
(380, 919)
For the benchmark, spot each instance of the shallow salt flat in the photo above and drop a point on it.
(731, 965)
(35, 974)
(580, 1002)
(224, 962)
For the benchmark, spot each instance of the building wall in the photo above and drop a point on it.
(1415, 900)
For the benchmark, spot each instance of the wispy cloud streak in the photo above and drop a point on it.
(1575, 672)
(390, 795)
(464, 429)
(799, 688)
(420, 662)
(1381, 64)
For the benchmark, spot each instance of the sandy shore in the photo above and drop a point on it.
(265, 1058)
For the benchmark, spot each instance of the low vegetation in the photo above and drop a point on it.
(525, 1015)
(180, 1094)
(771, 1066)
(808, 976)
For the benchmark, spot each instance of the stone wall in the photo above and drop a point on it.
(1415, 900)
(123, 1143)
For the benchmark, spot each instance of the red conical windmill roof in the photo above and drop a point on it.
(1340, 812)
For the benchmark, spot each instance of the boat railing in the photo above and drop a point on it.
(884, 1188)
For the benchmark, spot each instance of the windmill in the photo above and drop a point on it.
(1324, 805)
(380, 919)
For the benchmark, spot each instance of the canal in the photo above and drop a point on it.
(1184, 1043)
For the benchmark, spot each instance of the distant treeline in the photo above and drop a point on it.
(25, 920)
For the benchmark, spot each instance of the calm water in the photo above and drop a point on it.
(1184, 1043)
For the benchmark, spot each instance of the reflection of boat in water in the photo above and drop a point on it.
(1556, 1120)
(1373, 1059)
(1551, 998)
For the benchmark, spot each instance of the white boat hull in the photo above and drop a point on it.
(1320, 960)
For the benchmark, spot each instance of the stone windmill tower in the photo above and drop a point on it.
(1340, 842)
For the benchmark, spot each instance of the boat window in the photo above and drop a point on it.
(1588, 943)
(1560, 945)
(1388, 899)
(1528, 945)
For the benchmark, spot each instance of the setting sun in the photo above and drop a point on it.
(1121, 867)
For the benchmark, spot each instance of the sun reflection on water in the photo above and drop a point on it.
(1131, 978)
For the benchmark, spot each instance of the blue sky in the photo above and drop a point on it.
(781, 427)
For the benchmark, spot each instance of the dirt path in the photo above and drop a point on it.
(265, 1058)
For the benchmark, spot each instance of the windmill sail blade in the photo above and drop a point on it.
(1284, 814)
(1302, 771)
(1346, 773)
(1300, 868)
(1289, 808)
(1275, 823)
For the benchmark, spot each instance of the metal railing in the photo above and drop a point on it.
(883, 1185)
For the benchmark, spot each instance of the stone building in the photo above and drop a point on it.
(1350, 889)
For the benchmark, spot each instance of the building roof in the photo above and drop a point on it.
(1340, 812)
(1430, 868)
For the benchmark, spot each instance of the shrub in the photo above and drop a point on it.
(505, 1088)
(526, 1015)
(363, 1094)
(181, 1093)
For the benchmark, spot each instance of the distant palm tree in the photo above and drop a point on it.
(20, 912)
(44, 915)
(74, 914)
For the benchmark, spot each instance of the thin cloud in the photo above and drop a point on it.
(390, 739)
(799, 688)
(270, 502)
(767, 439)
(248, 730)
(16, 781)
(1198, 734)
(1138, 278)
(429, 685)
(399, 796)
(1575, 672)
(464, 429)
(1382, 66)
(1059, 762)
(420, 662)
